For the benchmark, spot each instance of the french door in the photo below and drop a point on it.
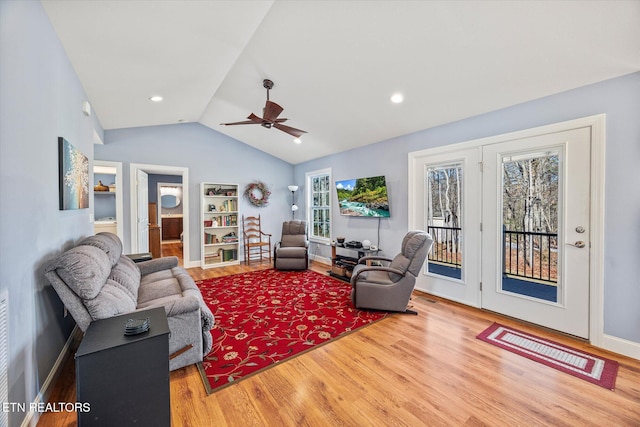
(510, 222)
(449, 210)
(535, 242)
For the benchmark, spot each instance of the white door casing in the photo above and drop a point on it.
(133, 204)
(592, 298)
(142, 184)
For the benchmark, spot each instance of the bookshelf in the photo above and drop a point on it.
(219, 224)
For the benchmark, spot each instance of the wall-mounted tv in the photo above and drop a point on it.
(366, 197)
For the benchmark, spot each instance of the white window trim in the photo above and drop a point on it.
(308, 191)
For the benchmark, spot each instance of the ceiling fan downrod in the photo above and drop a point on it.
(268, 85)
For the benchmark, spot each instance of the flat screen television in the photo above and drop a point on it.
(365, 197)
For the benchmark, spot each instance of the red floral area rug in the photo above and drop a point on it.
(587, 366)
(268, 316)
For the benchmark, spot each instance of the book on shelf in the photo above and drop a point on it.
(210, 239)
(230, 205)
(228, 220)
(229, 254)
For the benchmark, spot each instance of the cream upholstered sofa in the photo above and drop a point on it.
(95, 281)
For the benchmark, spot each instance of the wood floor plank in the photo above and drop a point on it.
(402, 371)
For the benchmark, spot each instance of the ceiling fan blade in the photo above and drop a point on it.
(272, 111)
(288, 129)
(247, 122)
(255, 119)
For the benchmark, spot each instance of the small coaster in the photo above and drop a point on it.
(136, 326)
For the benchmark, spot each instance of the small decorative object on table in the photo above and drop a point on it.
(136, 326)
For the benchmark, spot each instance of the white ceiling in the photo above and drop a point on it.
(336, 63)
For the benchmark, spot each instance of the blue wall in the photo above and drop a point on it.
(104, 205)
(619, 98)
(210, 157)
(41, 100)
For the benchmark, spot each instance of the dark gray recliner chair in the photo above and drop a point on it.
(389, 287)
(291, 252)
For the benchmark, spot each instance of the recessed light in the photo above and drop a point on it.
(155, 98)
(397, 98)
(297, 140)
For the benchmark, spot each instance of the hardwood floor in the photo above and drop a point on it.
(172, 249)
(402, 371)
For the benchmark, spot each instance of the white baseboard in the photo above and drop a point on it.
(621, 346)
(31, 418)
(318, 258)
(191, 264)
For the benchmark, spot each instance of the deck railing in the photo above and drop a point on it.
(531, 255)
(446, 247)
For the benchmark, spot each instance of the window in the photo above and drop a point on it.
(319, 204)
(444, 211)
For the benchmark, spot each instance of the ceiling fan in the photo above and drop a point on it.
(271, 111)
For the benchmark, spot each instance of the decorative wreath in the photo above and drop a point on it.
(257, 193)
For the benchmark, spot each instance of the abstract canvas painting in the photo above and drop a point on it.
(74, 176)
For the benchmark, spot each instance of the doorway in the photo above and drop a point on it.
(170, 209)
(517, 223)
(108, 212)
(138, 213)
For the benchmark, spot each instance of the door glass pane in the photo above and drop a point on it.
(444, 219)
(530, 215)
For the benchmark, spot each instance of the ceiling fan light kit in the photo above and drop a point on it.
(270, 118)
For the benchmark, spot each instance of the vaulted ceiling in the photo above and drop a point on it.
(335, 64)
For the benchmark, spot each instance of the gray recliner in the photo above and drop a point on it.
(95, 281)
(389, 287)
(291, 252)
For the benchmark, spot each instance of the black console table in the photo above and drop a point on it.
(341, 265)
(124, 380)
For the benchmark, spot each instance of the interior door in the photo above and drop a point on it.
(142, 189)
(536, 238)
(448, 208)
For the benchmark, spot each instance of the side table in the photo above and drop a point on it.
(124, 379)
(341, 265)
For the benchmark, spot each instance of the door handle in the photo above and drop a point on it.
(579, 244)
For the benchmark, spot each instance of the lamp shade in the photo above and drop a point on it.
(293, 188)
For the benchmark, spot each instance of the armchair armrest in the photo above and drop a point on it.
(373, 258)
(354, 279)
(157, 264)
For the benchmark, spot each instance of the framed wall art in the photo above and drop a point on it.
(73, 178)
